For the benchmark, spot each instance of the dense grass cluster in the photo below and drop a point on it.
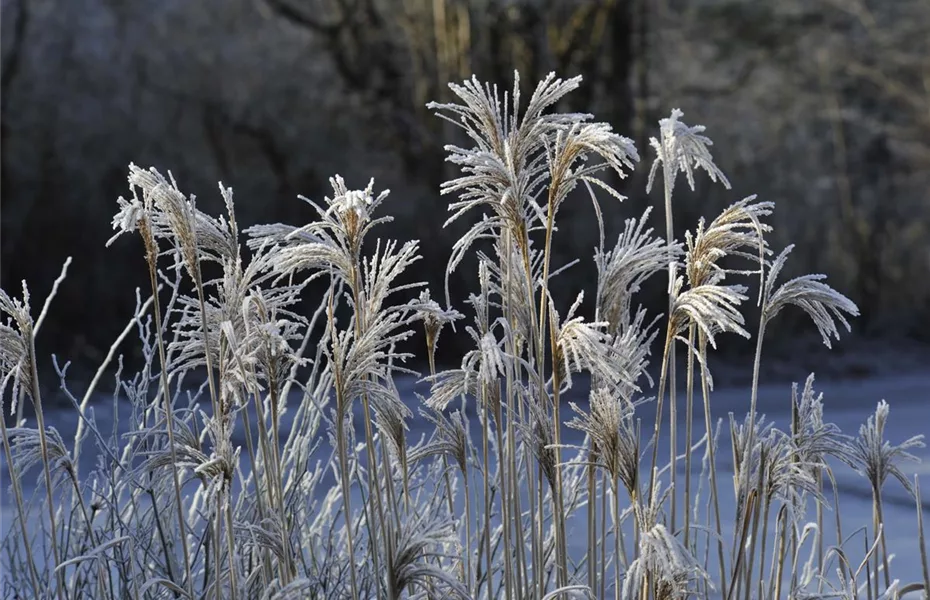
(312, 506)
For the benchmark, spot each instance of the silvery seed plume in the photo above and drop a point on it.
(450, 438)
(175, 215)
(822, 303)
(137, 210)
(434, 317)
(661, 558)
(537, 431)
(683, 149)
(737, 231)
(220, 466)
(15, 364)
(271, 330)
(391, 420)
(508, 155)
(254, 320)
(486, 229)
(277, 234)
(582, 346)
(813, 439)
(713, 308)
(126, 219)
(380, 273)
(451, 384)
(773, 455)
(332, 243)
(637, 256)
(631, 351)
(363, 364)
(517, 289)
(507, 167)
(295, 590)
(875, 458)
(784, 474)
(612, 430)
(187, 447)
(488, 358)
(746, 460)
(264, 535)
(650, 514)
(665, 562)
(567, 158)
(482, 303)
(418, 542)
(217, 238)
(187, 349)
(27, 450)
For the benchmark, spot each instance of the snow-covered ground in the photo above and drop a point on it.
(848, 403)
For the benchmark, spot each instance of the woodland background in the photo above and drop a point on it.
(822, 106)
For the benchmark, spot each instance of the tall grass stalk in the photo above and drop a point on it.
(312, 510)
(21, 514)
(341, 444)
(151, 253)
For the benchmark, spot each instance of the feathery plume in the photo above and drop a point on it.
(876, 458)
(583, 346)
(613, 432)
(735, 231)
(822, 303)
(637, 256)
(713, 308)
(682, 148)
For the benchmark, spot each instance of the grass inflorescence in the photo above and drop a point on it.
(239, 472)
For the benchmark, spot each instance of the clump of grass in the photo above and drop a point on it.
(234, 467)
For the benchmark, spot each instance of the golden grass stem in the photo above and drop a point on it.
(740, 554)
(666, 352)
(151, 254)
(689, 418)
(505, 508)
(20, 507)
(921, 539)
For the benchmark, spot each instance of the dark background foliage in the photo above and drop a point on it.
(818, 105)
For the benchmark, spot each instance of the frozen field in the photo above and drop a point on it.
(847, 403)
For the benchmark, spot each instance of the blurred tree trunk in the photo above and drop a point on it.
(400, 54)
(12, 59)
